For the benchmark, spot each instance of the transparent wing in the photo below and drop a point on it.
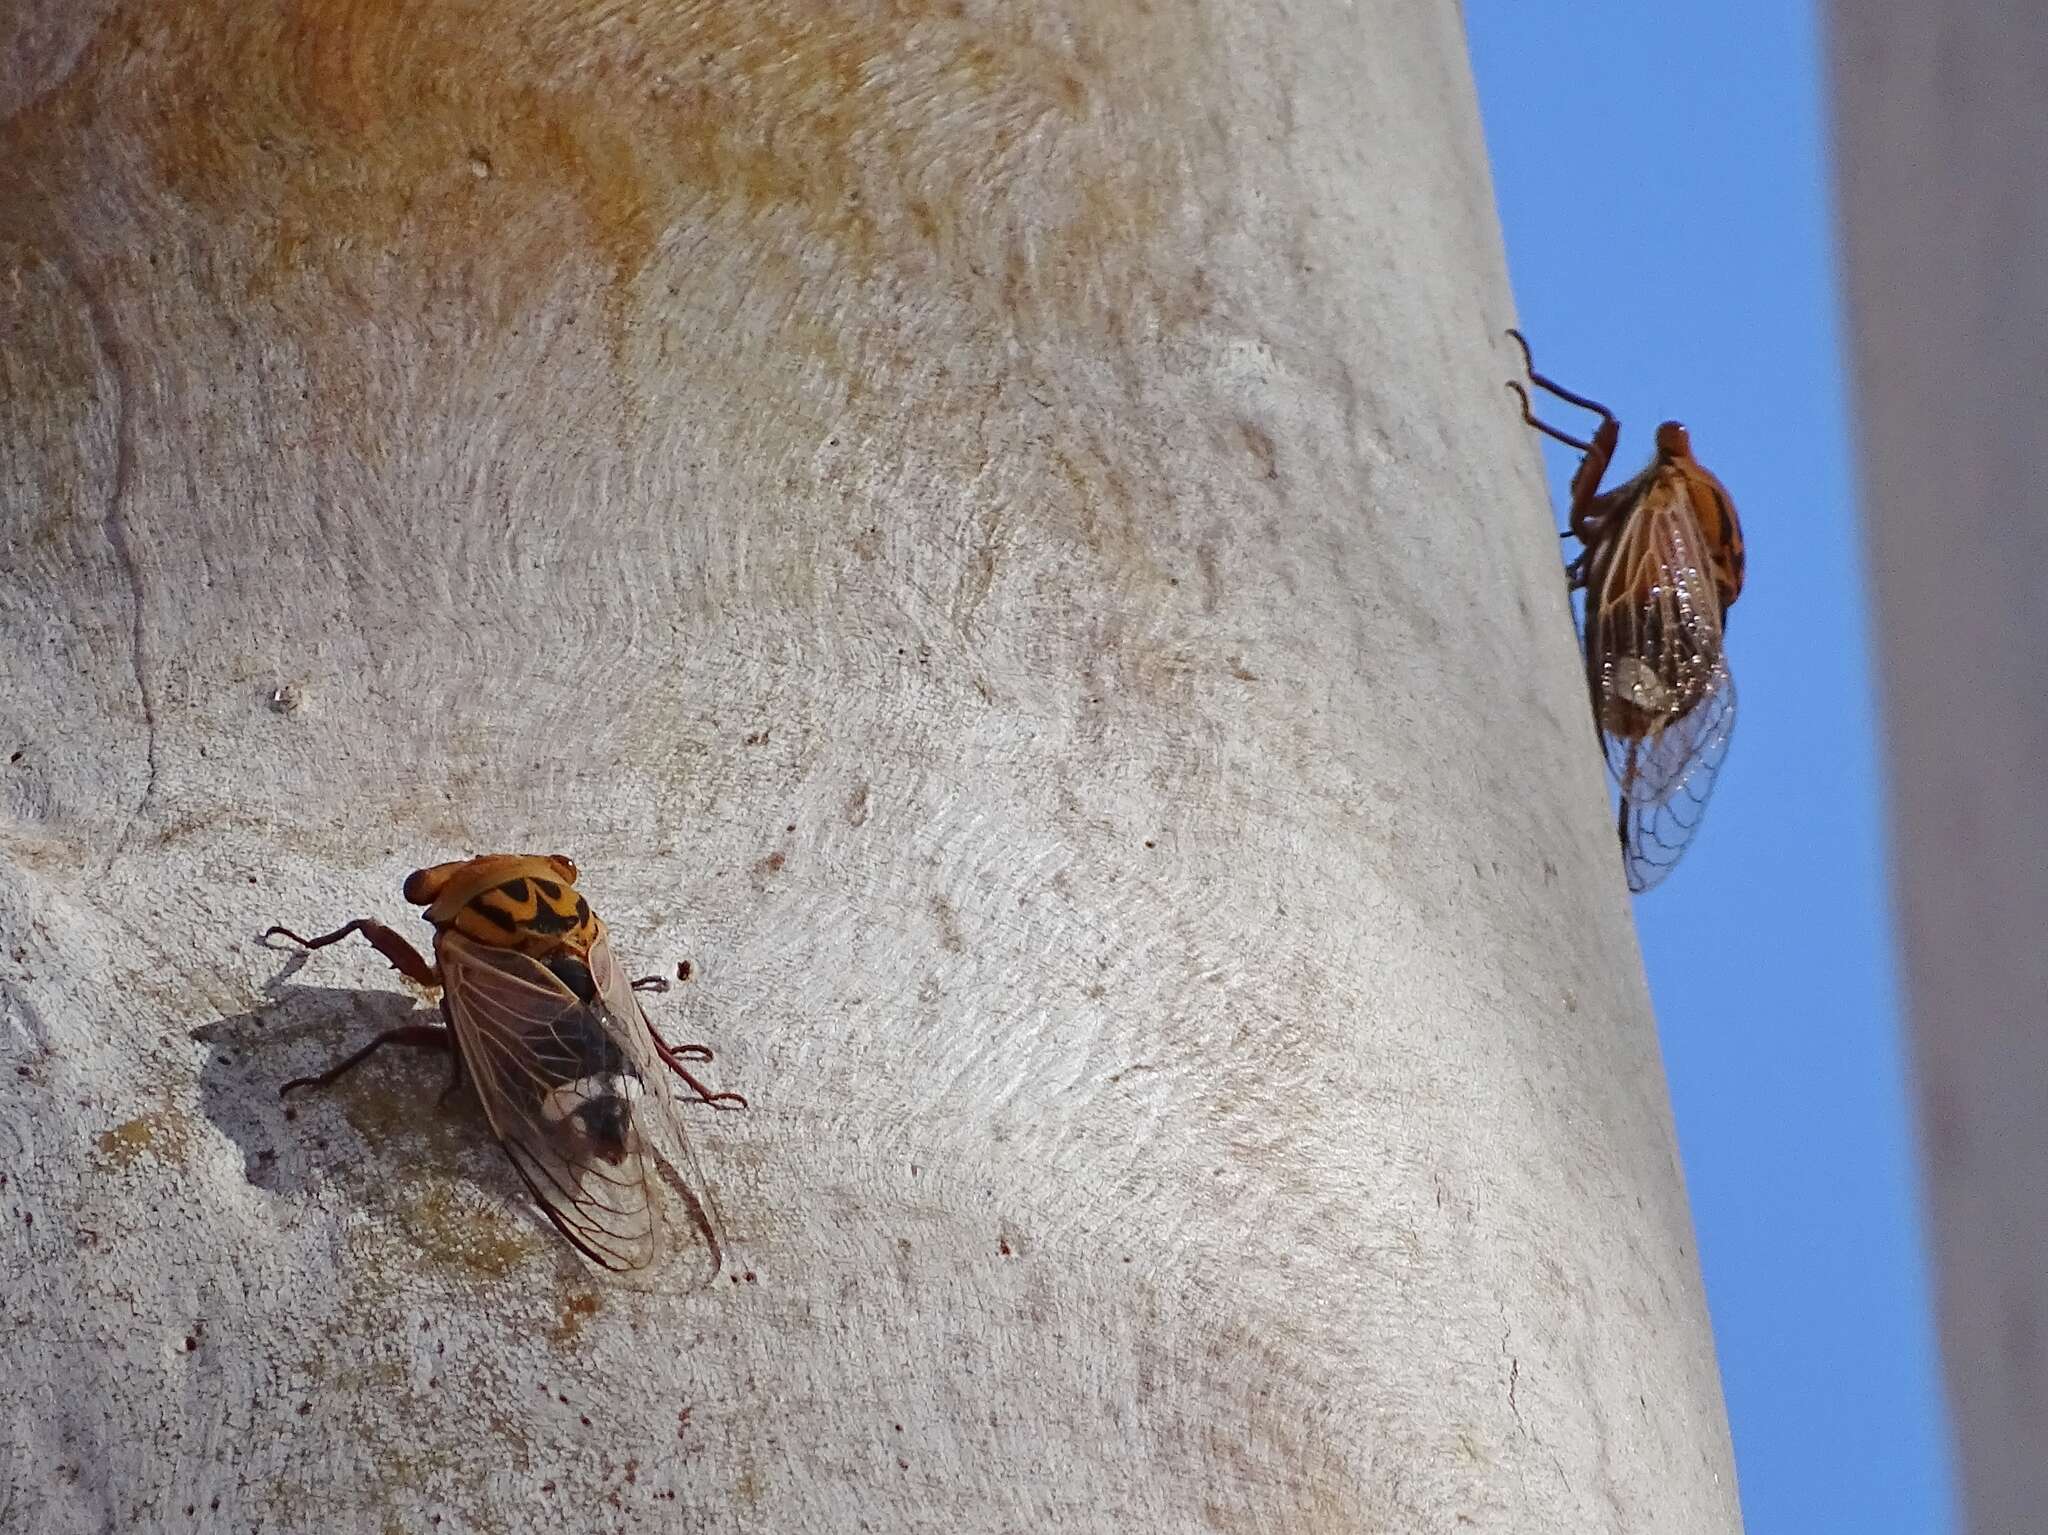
(1662, 693)
(1665, 782)
(659, 1116)
(571, 1086)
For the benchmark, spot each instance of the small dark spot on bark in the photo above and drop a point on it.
(191, 1343)
(17, 757)
(684, 971)
(1259, 443)
(1150, 843)
(305, 1408)
(749, 1276)
(902, 1464)
(755, 738)
(1002, 1247)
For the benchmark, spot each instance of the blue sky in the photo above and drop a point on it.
(1662, 180)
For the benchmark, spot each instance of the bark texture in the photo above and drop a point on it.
(1944, 206)
(996, 532)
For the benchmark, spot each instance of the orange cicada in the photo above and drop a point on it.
(538, 1014)
(1660, 563)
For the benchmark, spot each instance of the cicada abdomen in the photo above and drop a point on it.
(1660, 563)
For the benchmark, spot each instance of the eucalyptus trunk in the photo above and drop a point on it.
(994, 533)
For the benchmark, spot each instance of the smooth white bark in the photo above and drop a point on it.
(996, 533)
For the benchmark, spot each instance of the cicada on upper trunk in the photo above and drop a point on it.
(1660, 563)
(539, 1015)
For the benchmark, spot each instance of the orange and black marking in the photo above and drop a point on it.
(525, 902)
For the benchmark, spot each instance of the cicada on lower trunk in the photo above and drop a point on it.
(539, 1015)
(1660, 563)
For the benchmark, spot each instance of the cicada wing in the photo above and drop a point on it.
(1662, 694)
(1681, 761)
(562, 1083)
(657, 1115)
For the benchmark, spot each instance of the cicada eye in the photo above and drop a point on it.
(563, 866)
(1673, 441)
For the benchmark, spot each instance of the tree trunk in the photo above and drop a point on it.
(997, 534)
(1944, 207)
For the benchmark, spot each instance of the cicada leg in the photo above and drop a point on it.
(1530, 417)
(673, 1056)
(405, 959)
(1576, 570)
(408, 962)
(454, 1062)
(422, 1036)
(1596, 452)
(660, 982)
(1551, 386)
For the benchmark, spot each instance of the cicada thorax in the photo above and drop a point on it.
(525, 902)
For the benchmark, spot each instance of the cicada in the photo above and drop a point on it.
(541, 1018)
(1660, 563)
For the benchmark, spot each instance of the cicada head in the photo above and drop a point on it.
(1673, 441)
(450, 884)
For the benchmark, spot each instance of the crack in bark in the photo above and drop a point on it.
(1514, 1380)
(114, 525)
